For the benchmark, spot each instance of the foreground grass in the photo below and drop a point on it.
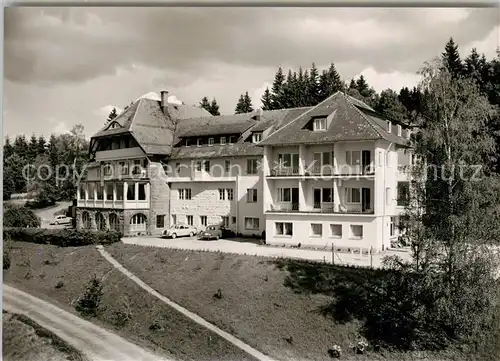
(279, 307)
(59, 275)
(24, 339)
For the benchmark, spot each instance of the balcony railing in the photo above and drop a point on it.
(322, 208)
(286, 207)
(284, 171)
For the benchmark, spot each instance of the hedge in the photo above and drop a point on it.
(16, 216)
(61, 237)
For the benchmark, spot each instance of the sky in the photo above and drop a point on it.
(67, 66)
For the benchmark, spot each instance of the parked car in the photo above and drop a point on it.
(179, 230)
(61, 219)
(212, 232)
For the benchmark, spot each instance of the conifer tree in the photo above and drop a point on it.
(214, 108)
(277, 89)
(313, 86)
(330, 82)
(451, 59)
(244, 104)
(267, 101)
(112, 115)
(205, 104)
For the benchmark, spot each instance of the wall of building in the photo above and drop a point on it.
(249, 209)
(160, 198)
(302, 231)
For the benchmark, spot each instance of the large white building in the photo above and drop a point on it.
(309, 176)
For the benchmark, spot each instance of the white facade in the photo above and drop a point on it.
(346, 198)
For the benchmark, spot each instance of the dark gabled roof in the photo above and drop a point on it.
(146, 122)
(214, 125)
(240, 149)
(349, 121)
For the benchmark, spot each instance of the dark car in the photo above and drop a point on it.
(212, 232)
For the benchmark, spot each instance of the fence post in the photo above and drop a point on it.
(371, 257)
(333, 253)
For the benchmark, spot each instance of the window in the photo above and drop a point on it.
(388, 158)
(198, 166)
(187, 143)
(327, 158)
(284, 228)
(131, 192)
(124, 168)
(136, 168)
(119, 191)
(380, 158)
(353, 157)
(257, 137)
(388, 196)
(160, 221)
(284, 195)
(403, 193)
(393, 226)
(233, 220)
(138, 222)
(99, 191)
(109, 191)
(114, 222)
(91, 190)
(319, 124)
(222, 194)
(230, 194)
(252, 166)
(231, 140)
(203, 220)
(316, 229)
(206, 164)
(227, 165)
(210, 141)
(189, 220)
(98, 170)
(388, 126)
(86, 220)
(353, 195)
(336, 230)
(222, 140)
(356, 232)
(399, 130)
(251, 223)
(185, 193)
(199, 142)
(100, 221)
(251, 195)
(174, 219)
(225, 221)
(108, 169)
(83, 188)
(327, 196)
(142, 191)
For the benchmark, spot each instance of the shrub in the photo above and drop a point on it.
(88, 304)
(46, 198)
(15, 216)
(62, 237)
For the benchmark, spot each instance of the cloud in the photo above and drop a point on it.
(60, 128)
(394, 80)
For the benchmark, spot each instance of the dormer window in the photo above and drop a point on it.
(257, 137)
(389, 126)
(319, 124)
(210, 141)
(399, 130)
(198, 142)
(188, 143)
(231, 140)
(222, 140)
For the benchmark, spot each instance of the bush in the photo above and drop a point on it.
(46, 198)
(88, 304)
(15, 216)
(62, 237)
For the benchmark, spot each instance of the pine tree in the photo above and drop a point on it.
(313, 86)
(330, 82)
(389, 105)
(21, 146)
(214, 108)
(267, 101)
(32, 148)
(8, 149)
(42, 145)
(278, 89)
(205, 104)
(112, 115)
(451, 59)
(244, 104)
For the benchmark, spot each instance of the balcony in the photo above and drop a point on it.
(285, 171)
(322, 208)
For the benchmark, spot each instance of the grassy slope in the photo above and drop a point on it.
(255, 305)
(38, 268)
(23, 339)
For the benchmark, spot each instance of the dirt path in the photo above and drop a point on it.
(96, 343)
(193, 316)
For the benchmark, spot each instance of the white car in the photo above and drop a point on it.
(180, 230)
(61, 219)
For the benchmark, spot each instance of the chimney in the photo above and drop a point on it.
(164, 101)
(258, 116)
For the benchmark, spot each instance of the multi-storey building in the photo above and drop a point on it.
(306, 175)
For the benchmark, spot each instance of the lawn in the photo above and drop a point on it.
(282, 308)
(59, 275)
(24, 339)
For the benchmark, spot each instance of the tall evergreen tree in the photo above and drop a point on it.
(205, 104)
(42, 145)
(313, 86)
(21, 146)
(244, 104)
(112, 115)
(389, 105)
(214, 108)
(8, 149)
(451, 59)
(278, 89)
(329, 82)
(267, 100)
(32, 148)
